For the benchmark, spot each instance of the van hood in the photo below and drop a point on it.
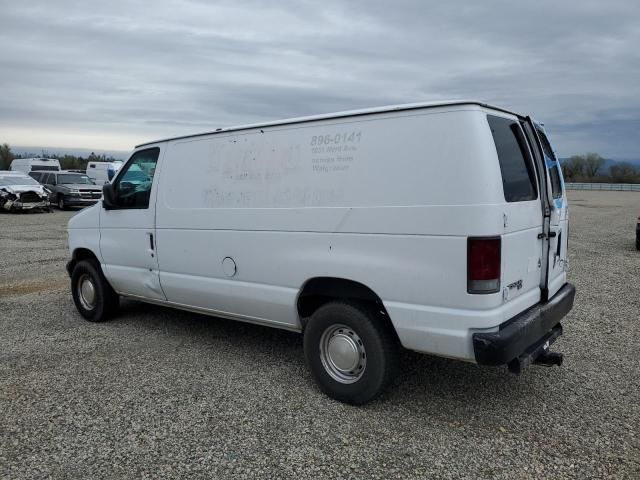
(86, 218)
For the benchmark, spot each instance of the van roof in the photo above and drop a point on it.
(347, 113)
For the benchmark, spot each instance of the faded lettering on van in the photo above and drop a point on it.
(332, 158)
(278, 197)
(336, 138)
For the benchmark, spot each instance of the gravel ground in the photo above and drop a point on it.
(158, 393)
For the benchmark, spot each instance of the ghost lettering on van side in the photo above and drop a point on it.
(335, 139)
(326, 164)
(334, 152)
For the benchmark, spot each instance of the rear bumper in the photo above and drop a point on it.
(525, 331)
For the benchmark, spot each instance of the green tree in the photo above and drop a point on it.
(6, 156)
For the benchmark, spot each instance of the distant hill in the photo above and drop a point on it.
(78, 152)
(612, 161)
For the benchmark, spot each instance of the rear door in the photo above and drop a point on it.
(559, 216)
(554, 234)
(522, 246)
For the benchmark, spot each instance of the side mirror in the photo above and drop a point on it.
(109, 197)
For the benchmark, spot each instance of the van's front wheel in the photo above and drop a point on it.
(93, 296)
(350, 351)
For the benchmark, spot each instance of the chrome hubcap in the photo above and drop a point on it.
(342, 354)
(87, 292)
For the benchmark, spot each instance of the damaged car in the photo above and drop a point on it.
(20, 192)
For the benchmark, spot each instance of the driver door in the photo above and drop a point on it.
(127, 231)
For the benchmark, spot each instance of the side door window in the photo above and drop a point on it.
(133, 186)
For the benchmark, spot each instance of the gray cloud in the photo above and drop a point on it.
(117, 73)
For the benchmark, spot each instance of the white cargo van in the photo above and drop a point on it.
(27, 165)
(441, 228)
(103, 172)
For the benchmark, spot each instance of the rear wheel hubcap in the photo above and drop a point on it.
(343, 354)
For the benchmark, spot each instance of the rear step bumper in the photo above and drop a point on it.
(525, 338)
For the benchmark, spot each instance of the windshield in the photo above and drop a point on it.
(7, 180)
(66, 178)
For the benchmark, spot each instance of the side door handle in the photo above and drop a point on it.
(151, 244)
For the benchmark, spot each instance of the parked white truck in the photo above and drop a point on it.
(103, 172)
(27, 165)
(441, 228)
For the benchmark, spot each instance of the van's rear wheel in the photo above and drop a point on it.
(93, 296)
(351, 352)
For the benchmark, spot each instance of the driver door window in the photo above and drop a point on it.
(133, 185)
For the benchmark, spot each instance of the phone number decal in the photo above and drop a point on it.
(336, 139)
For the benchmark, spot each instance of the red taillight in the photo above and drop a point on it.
(483, 265)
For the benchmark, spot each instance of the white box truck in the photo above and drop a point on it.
(27, 165)
(440, 228)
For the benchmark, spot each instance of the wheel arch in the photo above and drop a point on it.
(318, 291)
(78, 255)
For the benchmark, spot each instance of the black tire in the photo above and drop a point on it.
(105, 300)
(61, 204)
(364, 326)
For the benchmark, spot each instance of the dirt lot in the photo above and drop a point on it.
(162, 393)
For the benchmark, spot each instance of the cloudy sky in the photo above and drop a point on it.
(110, 74)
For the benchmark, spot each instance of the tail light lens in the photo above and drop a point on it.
(483, 265)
